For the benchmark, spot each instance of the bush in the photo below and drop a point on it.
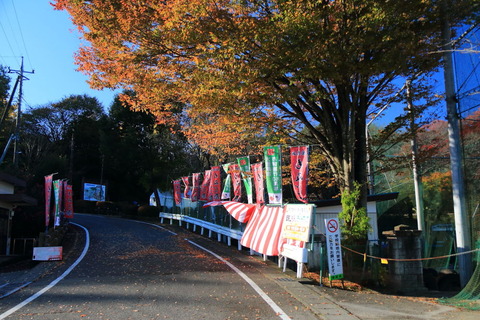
(127, 208)
(106, 207)
(83, 206)
(355, 220)
(148, 211)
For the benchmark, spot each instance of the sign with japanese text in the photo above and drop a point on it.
(237, 182)
(215, 190)
(299, 169)
(195, 186)
(297, 223)
(244, 164)
(227, 187)
(258, 182)
(273, 173)
(177, 191)
(334, 249)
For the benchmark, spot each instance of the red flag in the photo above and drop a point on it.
(177, 190)
(237, 182)
(186, 182)
(68, 201)
(215, 188)
(299, 167)
(240, 211)
(204, 188)
(258, 180)
(195, 186)
(48, 196)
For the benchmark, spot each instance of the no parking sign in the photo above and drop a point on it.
(334, 249)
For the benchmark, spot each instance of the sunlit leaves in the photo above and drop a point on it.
(317, 64)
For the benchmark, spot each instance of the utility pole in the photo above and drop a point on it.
(19, 112)
(417, 177)
(462, 223)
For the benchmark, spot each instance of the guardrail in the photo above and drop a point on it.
(24, 247)
(205, 225)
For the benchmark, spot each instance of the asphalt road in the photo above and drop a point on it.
(134, 270)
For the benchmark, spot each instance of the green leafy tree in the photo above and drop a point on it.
(355, 221)
(4, 87)
(46, 138)
(141, 155)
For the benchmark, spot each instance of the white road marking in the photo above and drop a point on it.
(54, 282)
(17, 287)
(155, 225)
(262, 294)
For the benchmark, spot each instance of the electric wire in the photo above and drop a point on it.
(21, 33)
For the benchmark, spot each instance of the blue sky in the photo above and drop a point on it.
(47, 40)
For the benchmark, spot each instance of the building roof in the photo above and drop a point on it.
(18, 199)
(372, 197)
(17, 182)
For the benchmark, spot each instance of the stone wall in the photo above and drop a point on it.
(405, 276)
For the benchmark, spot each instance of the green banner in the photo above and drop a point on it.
(227, 187)
(273, 173)
(244, 164)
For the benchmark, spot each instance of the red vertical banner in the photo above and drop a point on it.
(258, 181)
(48, 197)
(205, 187)
(299, 168)
(236, 181)
(215, 190)
(186, 182)
(195, 187)
(68, 201)
(177, 192)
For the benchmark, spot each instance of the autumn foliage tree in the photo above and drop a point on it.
(316, 67)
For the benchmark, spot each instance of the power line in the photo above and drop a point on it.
(6, 38)
(21, 33)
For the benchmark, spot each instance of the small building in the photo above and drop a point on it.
(10, 198)
(326, 209)
(331, 208)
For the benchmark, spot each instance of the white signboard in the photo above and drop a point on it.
(296, 230)
(334, 249)
(93, 192)
(47, 253)
(297, 221)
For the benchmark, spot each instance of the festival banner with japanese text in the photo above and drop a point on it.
(68, 201)
(227, 187)
(57, 191)
(258, 181)
(215, 190)
(273, 173)
(299, 170)
(236, 181)
(244, 164)
(48, 197)
(195, 186)
(186, 182)
(177, 191)
(205, 187)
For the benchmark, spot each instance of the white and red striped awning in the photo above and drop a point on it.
(263, 233)
(240, 211)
